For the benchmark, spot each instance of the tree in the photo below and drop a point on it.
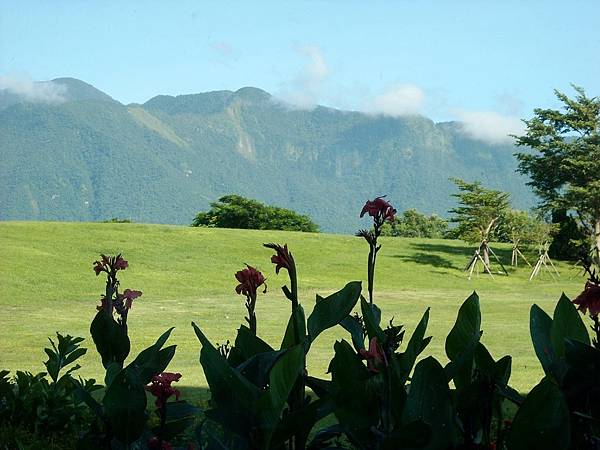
(235, 211)
(517, 228)
(569, 238)
(478, 214)
(564, 166)
(414, 224)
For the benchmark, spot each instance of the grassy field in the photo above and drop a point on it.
(47, 284)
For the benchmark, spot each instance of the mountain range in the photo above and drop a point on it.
(83, 156)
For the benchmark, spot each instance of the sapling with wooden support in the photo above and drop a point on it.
(478, 216)
(517, 227)
(542, 234)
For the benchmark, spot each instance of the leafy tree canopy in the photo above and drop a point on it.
(570, 239)
(517, 227)
(235, 211)
(565, 165)
(479, 211)
(412, 223)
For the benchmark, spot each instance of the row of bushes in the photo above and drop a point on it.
(382, 394)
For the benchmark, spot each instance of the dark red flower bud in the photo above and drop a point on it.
(250, 280)
(282, 259)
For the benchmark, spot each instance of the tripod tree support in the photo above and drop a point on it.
(477, 257)
(544, 262)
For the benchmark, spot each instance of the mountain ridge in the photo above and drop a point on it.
(91, 158)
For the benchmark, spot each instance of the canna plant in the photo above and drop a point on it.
(370, 401)
(121, 413)
(258, 393)
(563, 410)
(376, 406)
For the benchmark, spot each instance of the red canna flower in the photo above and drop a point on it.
(282, 259)
(120, 263)
(108, 264)
(375, 356)
(379, 209)
(250, 280)
(103, 265)
(161, 388)
(589, 299)
(129, 296)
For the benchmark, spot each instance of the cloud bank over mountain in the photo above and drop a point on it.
(33, 91)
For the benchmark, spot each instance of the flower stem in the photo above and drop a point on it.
(596, 329)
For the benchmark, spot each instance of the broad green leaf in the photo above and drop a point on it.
(540, 325)
(282, 378)
(415, 346)
(180, 416)
(153, 360)
(321, 388)
(582, 379)
(567, 323)
(125, 406)
(461, 369)
(246, 345)
(355, 328)
(429, 400)
(467, 328)
(84, 396)
(228, 388)
(256, 369)
(372, 317)
(249, 343)
(510, 394)
(331, 310)
(483, 360)
(110, 338)
(398, 387)
(542, 422)
(302, 420)
(112, 371)
(296, 326)
(502, 370)
(356, 406)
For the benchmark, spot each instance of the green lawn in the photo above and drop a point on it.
(47, 284)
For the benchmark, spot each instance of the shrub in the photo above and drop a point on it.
(234, 211)
(413, 224)
(47, 407)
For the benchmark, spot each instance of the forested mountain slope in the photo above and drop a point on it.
(89, 157)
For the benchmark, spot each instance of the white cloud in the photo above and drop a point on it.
(306, 89)
(33, 91)
(398, 100)
(489, 126)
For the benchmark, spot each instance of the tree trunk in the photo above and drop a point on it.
(486, 255)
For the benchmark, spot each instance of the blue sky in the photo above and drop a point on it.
(487, 63)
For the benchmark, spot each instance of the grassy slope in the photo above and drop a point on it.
(47, 285)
